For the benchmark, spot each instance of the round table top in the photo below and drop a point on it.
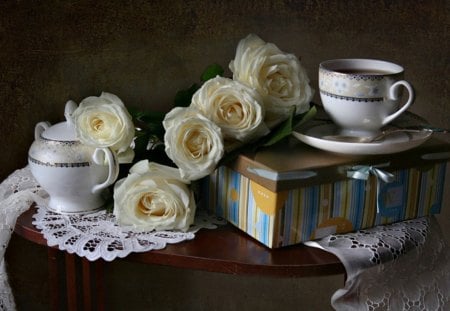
(226, 250)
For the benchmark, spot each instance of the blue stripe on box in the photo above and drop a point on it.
(393, 198)
(227, 195)
(229, 203)
(404, 178)
(436, 207)
(350, 198)
(358, 203)
(251, 207)
(306, 212)
(234, 210)
(288, 217)
(405, 184)
(313, 194)
(305, 204)
(265, 228)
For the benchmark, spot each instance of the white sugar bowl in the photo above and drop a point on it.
(73, 174)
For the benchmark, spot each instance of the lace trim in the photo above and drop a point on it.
(403, 266)
(17, 193)
(97, 235)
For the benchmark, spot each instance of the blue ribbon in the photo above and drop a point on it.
(363, 172)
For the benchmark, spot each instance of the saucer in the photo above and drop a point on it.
(397, 142)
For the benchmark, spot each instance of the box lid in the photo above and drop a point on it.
(291, 164)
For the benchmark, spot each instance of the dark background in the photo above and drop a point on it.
(144, 51)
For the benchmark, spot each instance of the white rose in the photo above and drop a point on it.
(236, 108)
(193, 142)
(154, 197)
(104, 122)
(279, 77)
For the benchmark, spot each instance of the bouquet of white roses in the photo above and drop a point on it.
(268, 87)
(268, 95)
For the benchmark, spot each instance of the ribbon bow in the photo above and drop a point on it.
(363, 172)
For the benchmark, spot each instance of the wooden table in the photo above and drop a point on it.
(77, 284)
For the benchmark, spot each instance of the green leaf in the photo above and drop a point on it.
(285, 129)
(304, 117)
(134, 112)
(281, 131)
(149, 116)
(211, 72)
(183, 97)
(149, 122)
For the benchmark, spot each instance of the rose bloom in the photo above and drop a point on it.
(154, 197)
(279, 77)
(193, 142)
(105, 122)
(236, 108)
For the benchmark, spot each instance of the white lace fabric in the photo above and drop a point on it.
(97, 235)
(17, 193)
(404, 266)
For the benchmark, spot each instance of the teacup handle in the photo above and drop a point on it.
(113, 167)
(393, 94)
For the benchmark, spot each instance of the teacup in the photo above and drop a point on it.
(362, 95)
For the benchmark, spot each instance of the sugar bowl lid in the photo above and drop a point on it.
(63, 131)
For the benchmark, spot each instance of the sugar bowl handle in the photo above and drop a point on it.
(40, 128)
(99, 157)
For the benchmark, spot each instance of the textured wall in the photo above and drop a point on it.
(144, 51)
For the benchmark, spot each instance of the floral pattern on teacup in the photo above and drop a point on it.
(355, 85)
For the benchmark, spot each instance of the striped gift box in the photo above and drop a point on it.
(281, 218)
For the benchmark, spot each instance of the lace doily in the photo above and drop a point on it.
(97, 235)
(403, 266)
